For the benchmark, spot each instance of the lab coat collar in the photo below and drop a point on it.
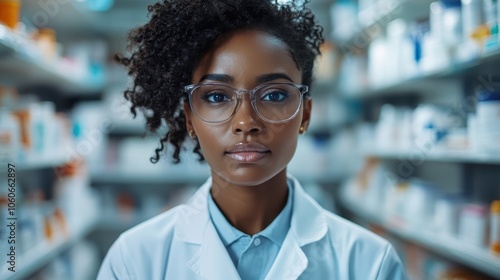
(308, 224)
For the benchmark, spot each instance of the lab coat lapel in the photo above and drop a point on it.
(290, 262)
(307, 225)
(212, 260)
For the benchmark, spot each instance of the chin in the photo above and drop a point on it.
(246, 177)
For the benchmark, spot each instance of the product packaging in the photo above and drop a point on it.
(495, 227)
(9, 137)
(491, 18)
(473, 17)
(46, 41)
(9, 12)
(452, 22)
(473, 224)
(446, 215)
(488, 120)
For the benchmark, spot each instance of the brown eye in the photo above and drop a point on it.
(215, 97)
(275, 96)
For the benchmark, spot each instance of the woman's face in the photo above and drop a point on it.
(244, 61)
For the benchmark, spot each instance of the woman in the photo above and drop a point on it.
(234, 76)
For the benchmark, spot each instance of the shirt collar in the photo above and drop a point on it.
(308, 222)
(276, 231)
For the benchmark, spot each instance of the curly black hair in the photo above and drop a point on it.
(166, 50)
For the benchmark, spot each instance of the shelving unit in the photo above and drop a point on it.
(22, 65)
(37, 257)
(127, 130)
(362, 35)
(451, 247)
(436, 155)
(471, 172)
(53, 162)
(427, 81)
(141, 179)
(119, 225)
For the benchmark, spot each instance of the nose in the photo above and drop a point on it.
(245, 118)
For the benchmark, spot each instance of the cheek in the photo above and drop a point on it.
(284, 138)
(209, 139)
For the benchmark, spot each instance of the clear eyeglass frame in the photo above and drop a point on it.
(303, 89)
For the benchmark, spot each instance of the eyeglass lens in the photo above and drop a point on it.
(274, 102)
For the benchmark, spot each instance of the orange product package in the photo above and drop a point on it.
(9, 12)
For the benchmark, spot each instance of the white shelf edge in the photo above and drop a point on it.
(37, 164)
(381, 19)
(454, 68)
(14, 44)
(452, 247)
(438, 155)
(35, 258)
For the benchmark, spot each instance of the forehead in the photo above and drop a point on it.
(246, 55)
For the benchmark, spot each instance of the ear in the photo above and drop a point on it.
(306, 114)
(188, 113)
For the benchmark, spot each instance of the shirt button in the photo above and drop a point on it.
(257, 241)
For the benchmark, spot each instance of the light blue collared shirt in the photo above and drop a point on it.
(254, 255)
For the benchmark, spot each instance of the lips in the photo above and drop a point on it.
(248, 152)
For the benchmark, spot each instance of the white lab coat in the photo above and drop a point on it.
(183, 243)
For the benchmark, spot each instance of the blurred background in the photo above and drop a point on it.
(404, 139)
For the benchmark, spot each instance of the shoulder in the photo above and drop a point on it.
(149, 236)
(155, 228)
(140, 247)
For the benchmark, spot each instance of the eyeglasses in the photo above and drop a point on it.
(273, 102)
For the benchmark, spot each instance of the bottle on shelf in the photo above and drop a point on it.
(10, 12)
(9, 130)
(473, 224)
(495, 227)
(8, 137)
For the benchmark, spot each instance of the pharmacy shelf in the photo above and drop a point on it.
(127, 130)
(409, 10)
(77, 16)
(39, 256)
(118, 224)
(127, 178)
(65, 17)
(22, 65)
(479, 68)
(436, 155)
(36, 164)
(451, 247)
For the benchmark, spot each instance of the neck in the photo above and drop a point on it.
(250, 209)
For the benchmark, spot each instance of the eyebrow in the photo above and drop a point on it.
(260, 79)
